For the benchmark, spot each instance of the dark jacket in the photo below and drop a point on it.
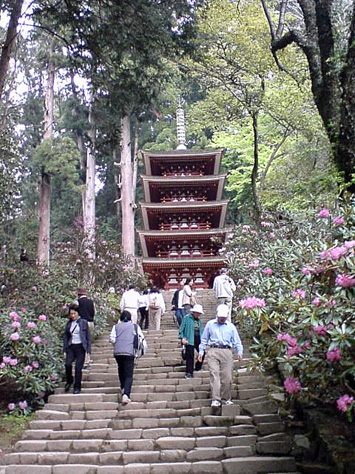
(86, 308)
(84, 334)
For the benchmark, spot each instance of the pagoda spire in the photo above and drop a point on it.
(180, 126)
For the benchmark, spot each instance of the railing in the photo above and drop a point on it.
(184, 226)
(180, 199)
(186, 253)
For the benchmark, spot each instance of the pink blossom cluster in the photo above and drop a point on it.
(334, 254)
(27, 369)
(344, 402)
(23, 405)
(324, 213)
(316, 301)
(16, 325)
(11, 406)
(338, 220)
(9, 360)
(291, 341)
(334, 355)
(349, 244)
(345, 281)
(265, 224)
(37, 339)
(301, 294)
(245, 229)
(42, 317)
(267, 271)
(13, 315)
(15, 336)
(320, 330)
(293, 350)
(292, 385)
(252, 302)
(31, 325)
(272, 235)
(35, 364)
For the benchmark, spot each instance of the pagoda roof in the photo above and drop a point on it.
(183, 156)
(171, 263)
(193, 181)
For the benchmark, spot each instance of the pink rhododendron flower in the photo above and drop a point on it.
(320, 330)
(344, 402)
(324, 213)
(345, 281)
(301, 294)
(334, 355)
(14, 316)
(31, 325)
(307, 345)
(293, 350)
(349, 244)
(245, 229)
(23, 310)
(6, 359)
(316, 301)
(272, 235)
(324, 254)
(252, 302)
(27, 369)
(15, 336)
(266, 224)
(34, 288)
(42, 317)
(319, 270)
(338, 220)
(267, 271)
(16, 325)
(35, 364)
(13, 362)
(37, 339)
(11, 406)
(291, 341)
(280, 337)
(337, 252)
(307, 270)
(292, 385)
(23, 405)
(54, 377)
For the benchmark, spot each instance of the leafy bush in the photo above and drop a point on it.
(296, 289)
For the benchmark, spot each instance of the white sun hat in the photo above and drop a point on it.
(222, 311)
(197, 309)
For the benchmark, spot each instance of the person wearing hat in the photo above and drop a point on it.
(86, 311)
(221, 336)
(190, 335)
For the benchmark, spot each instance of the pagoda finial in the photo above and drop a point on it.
(180, 126)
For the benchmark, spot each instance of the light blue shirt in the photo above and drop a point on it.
(224, 334)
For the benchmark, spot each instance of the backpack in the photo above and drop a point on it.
(154, 304)
(139, 343)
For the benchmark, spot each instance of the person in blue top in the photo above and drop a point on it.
(221, 336)
(190, 335)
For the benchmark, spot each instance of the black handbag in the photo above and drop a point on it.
(183, 352)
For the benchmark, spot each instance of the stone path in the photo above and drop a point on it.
(168, 428)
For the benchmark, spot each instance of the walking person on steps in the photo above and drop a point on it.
(122, 337)
(156, 307)
(76, 342)
(221, 336)
(190, 335)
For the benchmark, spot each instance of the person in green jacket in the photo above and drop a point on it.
(190, 335)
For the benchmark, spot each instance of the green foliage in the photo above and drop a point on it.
(302, 267)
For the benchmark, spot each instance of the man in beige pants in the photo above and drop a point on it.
(221, 336)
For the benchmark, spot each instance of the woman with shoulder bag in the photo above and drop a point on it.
(156, 307)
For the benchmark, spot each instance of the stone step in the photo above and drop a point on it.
(245, 465)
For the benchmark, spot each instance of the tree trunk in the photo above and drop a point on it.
(254, 173)
(118, 185)
(45, 185)
(9, 41)
(89, 216)
(127, 204)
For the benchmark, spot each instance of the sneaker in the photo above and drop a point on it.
(189, 376)
(215, 403)
(76, 391)
(228, 402)
(125, 399)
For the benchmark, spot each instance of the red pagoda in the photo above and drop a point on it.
(183, 216)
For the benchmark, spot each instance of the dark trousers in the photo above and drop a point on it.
(179, 314)
(75, 352)
(144, 319)
(190, 357)
(125, 372)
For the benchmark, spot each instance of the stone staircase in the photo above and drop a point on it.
(168, 428)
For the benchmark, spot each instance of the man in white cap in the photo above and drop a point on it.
(221, 336)
(190, 335)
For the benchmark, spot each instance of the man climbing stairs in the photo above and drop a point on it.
(169, 427)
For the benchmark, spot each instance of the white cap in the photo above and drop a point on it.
(197, 309)
(222, 311)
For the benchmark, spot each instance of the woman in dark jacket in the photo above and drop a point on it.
(76, 342)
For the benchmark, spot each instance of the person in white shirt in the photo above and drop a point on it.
(156, 307)
(224, 287)
(130, 301)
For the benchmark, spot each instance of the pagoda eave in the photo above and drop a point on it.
(183, 263)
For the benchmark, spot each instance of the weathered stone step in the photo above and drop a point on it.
(243, 465)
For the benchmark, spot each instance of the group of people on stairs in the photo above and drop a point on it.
(217, 340)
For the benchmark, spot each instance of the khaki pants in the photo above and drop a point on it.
(220, 363)
(228, 302)
(155, 317)
(134, 314)
(88, 360)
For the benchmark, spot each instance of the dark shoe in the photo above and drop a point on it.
(67, 387)
(76, 391)
(197, 369)
(189, 376)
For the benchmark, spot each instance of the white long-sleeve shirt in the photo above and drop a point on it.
(159, 299)
(129, 300)
(224, 286)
